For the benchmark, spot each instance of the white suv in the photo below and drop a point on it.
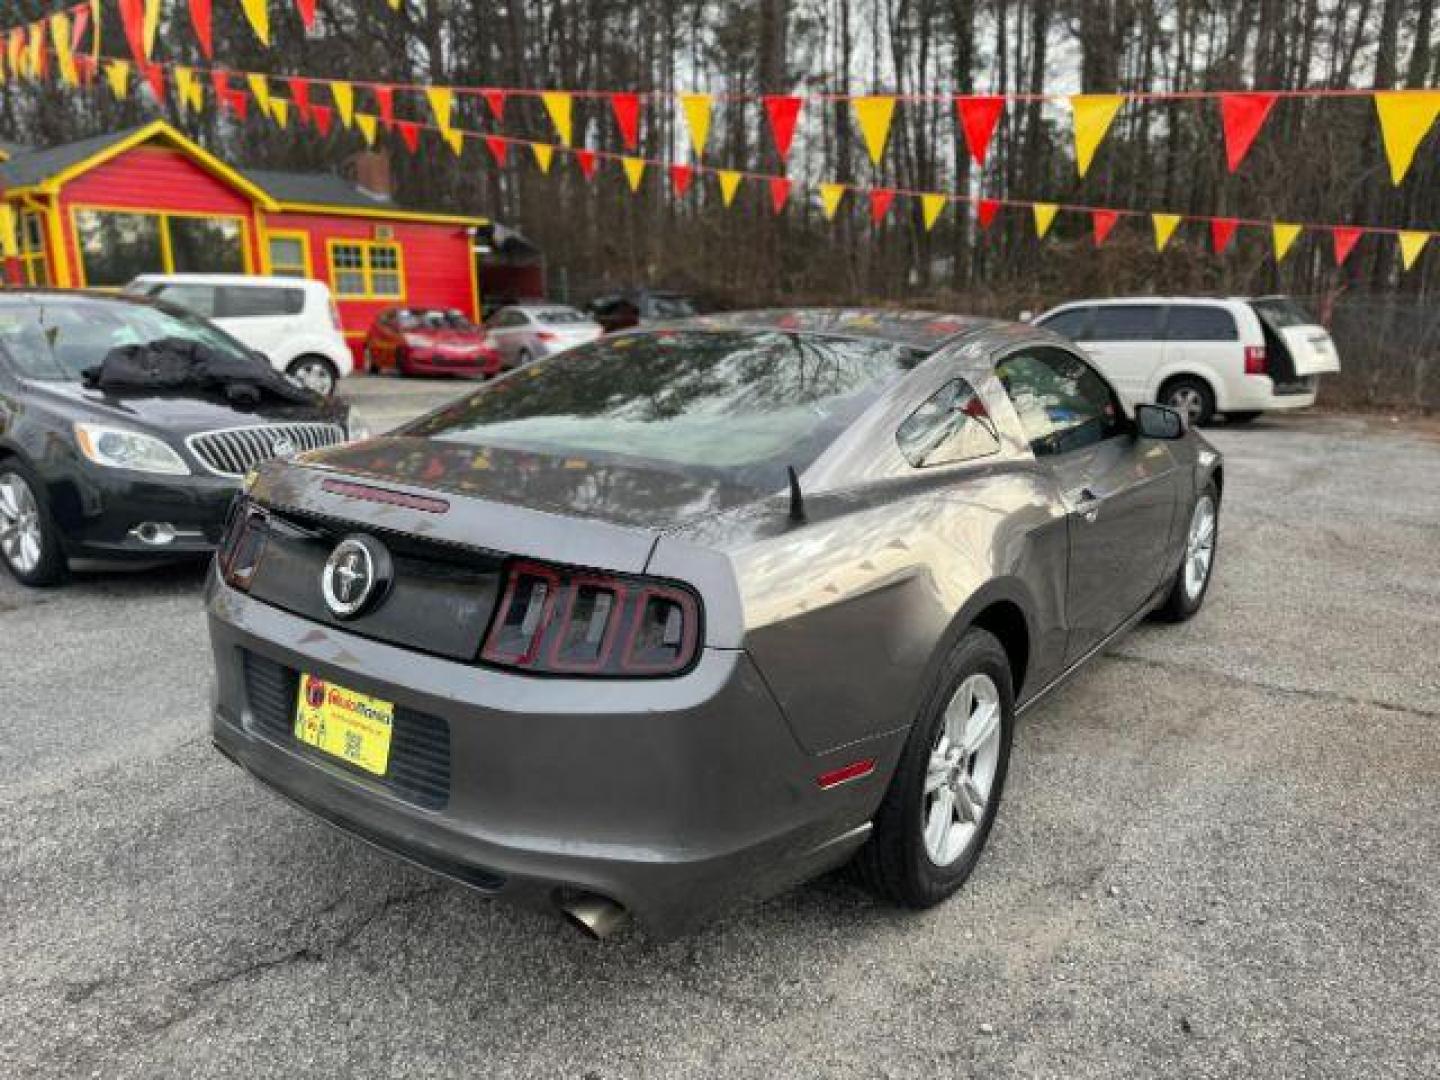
(292, 321)
(1201, 355)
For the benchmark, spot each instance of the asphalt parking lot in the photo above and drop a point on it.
(1219, 855)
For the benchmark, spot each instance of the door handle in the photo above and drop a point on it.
(1087, 505)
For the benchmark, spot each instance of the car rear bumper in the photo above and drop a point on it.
(673, 798)
(1262, 394)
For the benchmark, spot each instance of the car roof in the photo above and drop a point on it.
(1110, 301)
(925, 330)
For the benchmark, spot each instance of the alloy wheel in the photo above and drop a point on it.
(1187, 400)
(314, 376)
(1200, 547)
(960, 776)
(20, 532)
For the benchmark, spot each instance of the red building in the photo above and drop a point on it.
(96, 213)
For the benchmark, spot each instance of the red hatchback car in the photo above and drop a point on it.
(429, 341)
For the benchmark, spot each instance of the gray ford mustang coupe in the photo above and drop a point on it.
(689, 614)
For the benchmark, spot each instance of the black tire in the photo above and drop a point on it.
(1191, 397)
(371, 368)
(894, 863)
(1241, 417)
(1182, 601)
(312, 372)
(523, 357)
(51, 568)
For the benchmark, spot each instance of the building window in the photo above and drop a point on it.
(34, 267)
(366, 270)
(289, 255)
(116, 246)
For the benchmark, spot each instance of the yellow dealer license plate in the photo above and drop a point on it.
(350, 726)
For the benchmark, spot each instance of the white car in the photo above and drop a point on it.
(1202, 355)
(525, 332)
(292, 321)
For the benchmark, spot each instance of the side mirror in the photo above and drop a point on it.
(1158, 422)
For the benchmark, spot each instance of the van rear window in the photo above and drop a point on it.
(1281, 312)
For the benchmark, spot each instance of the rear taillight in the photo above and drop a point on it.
(1256, 360)
(243, 547)
(557, 621)
(547, 335)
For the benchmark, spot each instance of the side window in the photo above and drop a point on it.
(1195, 322)
(258, 301)
(1072, 324)
(1063, 404)
(951, 425)
(198, 299)
(1126, 322)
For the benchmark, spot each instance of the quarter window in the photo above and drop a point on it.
(1071, 324)
(1062, 402)
(1126, 322)
(366, 269)
(1194, 322)
(952, 425)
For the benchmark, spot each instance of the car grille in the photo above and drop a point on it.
(234, 451)
(419, 767)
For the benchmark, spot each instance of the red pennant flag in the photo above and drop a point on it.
(979, 114)
(1345, 240)
(985, 211)
(1102, 221)
(782, 112)
(85, 66)
(307, 12)
(779, 193)
(155, 76)
(78, 28)
(300, 95)
(409, 134)
(323, 117)
(238, 102)
(43, 56)
(132, 19)
(220, 80)
(880, 200)
(680, 177)
(586, 160)
(496, 100)
(627, 115)
(499, 149)
(1221, 231)
(1241, 117)
(200, 19)
(385, 104)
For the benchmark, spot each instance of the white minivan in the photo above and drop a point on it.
(292, 321)
(1202, 355)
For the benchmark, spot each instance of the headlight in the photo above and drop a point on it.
(119, 448)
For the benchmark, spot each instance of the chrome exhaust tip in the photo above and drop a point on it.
(595, 916)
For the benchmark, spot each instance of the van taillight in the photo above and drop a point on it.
(557, 621)
(1256, 361)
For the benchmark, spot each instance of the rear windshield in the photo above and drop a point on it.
(743, 404)
(1282, 313)
(561, 316)
(56, 338)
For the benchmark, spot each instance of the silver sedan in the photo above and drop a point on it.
(525, 332)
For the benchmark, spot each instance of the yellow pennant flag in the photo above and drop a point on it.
(442, 104)
(4, 70)
(1405, 117)
(932, 206)
(729, 184)
(1165, 225)
(543, 155)
(343, 94)
(37, 47)
(455, 140)
(258, 12)
(64, 56)
(117, 75)
(634, 171)
(1411, 244)
(184, 92)
(874, 115)
(150, 26)
(557, 104)
(16, 46)
(697, 117)
(1093, 115)
(280, 110)
(260, 89)
(1044, 215)
(1284, 235)
(830, 196)
(8, 247)
(366, 123)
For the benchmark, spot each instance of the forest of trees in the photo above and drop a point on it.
(1316, 161)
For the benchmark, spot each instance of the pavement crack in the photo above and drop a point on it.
(1312, 693)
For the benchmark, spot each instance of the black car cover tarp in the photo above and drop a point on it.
(179, 364)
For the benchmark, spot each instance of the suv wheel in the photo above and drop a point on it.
(1190, 397)
(314, 373)
(29, 540)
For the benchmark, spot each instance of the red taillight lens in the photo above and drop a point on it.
(546, 335)
(556, 621)
(243, 547)
(1256, 360)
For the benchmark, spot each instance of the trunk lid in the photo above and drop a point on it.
(1309, 346)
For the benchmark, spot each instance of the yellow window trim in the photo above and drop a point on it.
(366, 247)
(307, 267)
(167, 254)
(29, 257)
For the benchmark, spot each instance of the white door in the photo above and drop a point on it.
(1126, 343)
